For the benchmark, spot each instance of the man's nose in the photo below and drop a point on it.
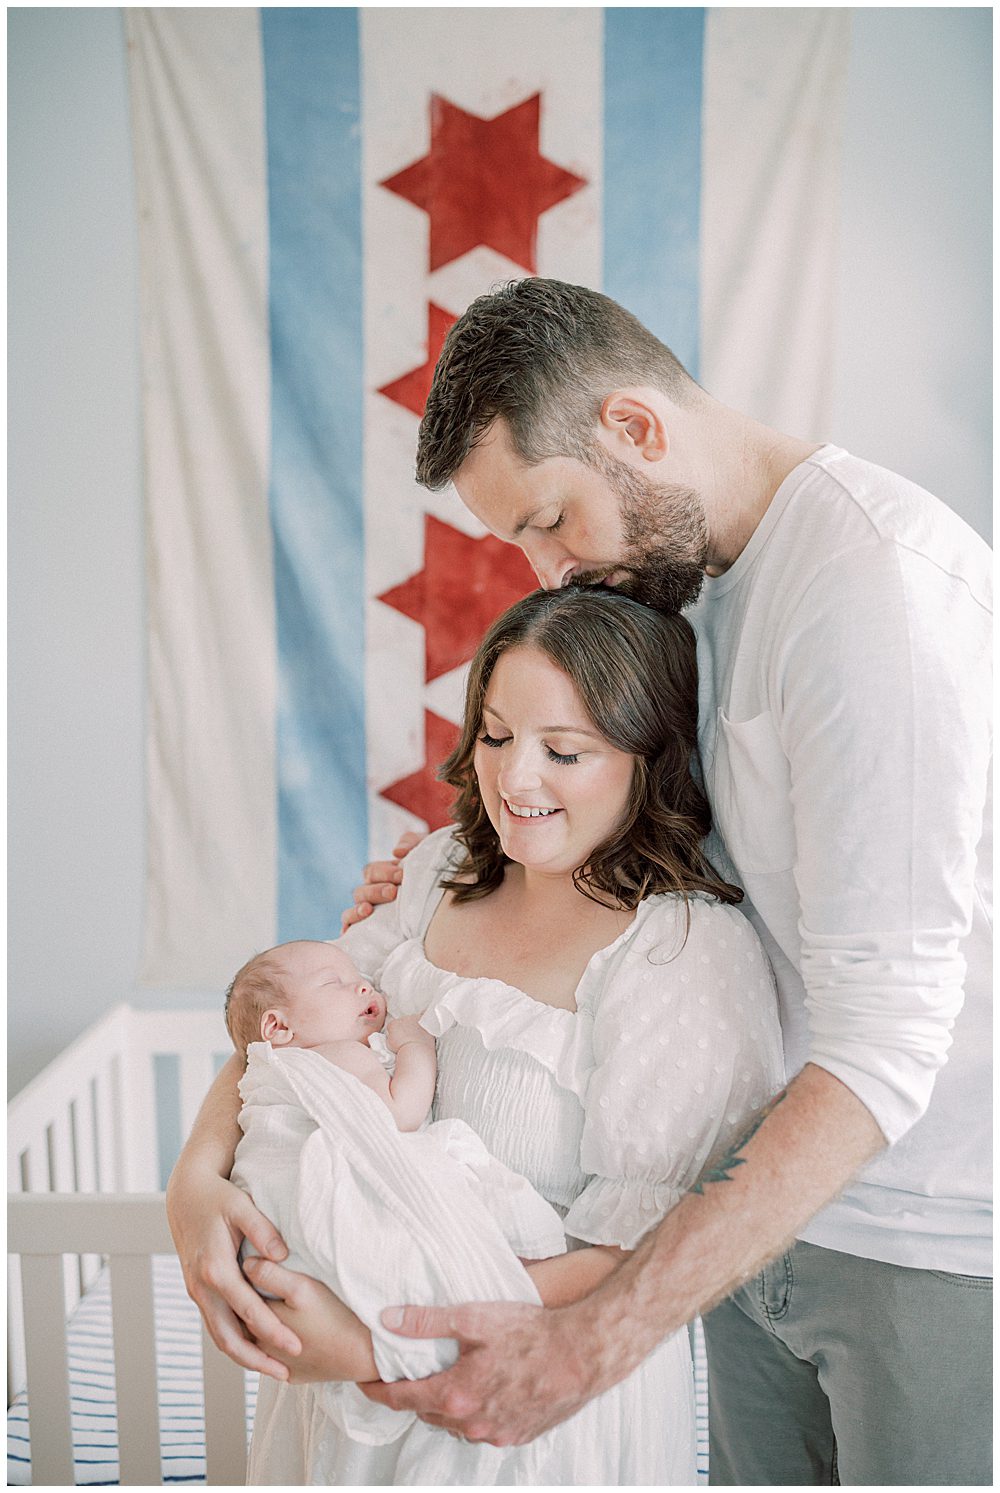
(550, 562)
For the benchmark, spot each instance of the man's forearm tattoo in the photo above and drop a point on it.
(722, 1169)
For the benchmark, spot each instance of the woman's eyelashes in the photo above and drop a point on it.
(565, 758)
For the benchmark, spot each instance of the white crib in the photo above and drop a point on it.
(84, 1151)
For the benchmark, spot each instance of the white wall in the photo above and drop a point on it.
(912, 392)
(914, 333)
(75, 539)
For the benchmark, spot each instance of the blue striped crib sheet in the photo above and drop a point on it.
(92, 1388)
(179, 1382)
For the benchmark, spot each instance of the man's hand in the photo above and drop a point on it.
(380, 880)
(518, 1374)
(334, 1343)
(208, 1220)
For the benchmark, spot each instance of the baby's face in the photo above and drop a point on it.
(327, 1000)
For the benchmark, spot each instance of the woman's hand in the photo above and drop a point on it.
(209, 1217)
(334, 1343)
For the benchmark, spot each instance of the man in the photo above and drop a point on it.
(843, 618)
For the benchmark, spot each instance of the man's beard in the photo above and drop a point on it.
(665, 534)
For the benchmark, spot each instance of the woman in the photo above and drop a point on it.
(606, 1017)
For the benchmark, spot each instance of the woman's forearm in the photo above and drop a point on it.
(567, 1278)
(215, 1133)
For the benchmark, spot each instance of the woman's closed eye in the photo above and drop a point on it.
(493, 741)
(564, 758)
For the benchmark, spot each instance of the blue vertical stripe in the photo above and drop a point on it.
(652, 169)
(312, 101)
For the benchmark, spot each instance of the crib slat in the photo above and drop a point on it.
(137, 1079)
(85, 1140)
(85, 1152)
(109, 1179)
(61, 1151)
(62, 1176)
(47, 1370)
(15, 1331)
(35, 1167)
(135, 1369)
(225, 1417)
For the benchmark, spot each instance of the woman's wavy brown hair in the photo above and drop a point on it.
(636, 672)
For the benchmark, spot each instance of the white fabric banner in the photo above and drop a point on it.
(322, 191)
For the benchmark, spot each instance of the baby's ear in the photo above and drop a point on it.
(274, 1028)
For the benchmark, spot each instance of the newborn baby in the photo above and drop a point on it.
(369, 1199)
(307, 994)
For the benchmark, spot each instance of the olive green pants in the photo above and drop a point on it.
(827, 1368)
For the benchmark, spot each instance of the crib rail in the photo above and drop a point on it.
(83, 1139)
(89, 1121)
(129, 1229)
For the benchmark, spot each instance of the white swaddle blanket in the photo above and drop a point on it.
(383, 1217)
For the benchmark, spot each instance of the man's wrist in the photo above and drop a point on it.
(605, 1322)
(580, 1346)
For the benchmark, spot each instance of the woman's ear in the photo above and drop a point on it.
(274, 1028)
(633, 419)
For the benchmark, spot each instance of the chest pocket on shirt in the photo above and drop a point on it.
(751, 795)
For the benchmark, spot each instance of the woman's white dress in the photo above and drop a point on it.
(611, 1112)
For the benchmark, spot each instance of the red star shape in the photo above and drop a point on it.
(484, 181)
(464, 585)
(412, 389)
(421, 793)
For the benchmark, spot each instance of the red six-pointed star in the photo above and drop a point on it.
(412, 389)
(464, 585)
(420, 793)
(484, 181)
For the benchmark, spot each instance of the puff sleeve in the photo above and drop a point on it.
(369, 943)
(687, 1046)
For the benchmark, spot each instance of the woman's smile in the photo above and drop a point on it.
(527, 811)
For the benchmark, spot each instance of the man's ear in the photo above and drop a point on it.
(633, 418)
(274, 1028)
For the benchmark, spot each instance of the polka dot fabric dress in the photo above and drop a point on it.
(611, 1112)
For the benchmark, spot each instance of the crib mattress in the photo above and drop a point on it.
(179, 1383)
(92, 1388)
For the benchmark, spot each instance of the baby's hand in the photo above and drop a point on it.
(403, 1029)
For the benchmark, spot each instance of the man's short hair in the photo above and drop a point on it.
(252, 990)
(542, 356)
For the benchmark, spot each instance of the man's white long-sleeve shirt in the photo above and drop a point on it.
(846, 740)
